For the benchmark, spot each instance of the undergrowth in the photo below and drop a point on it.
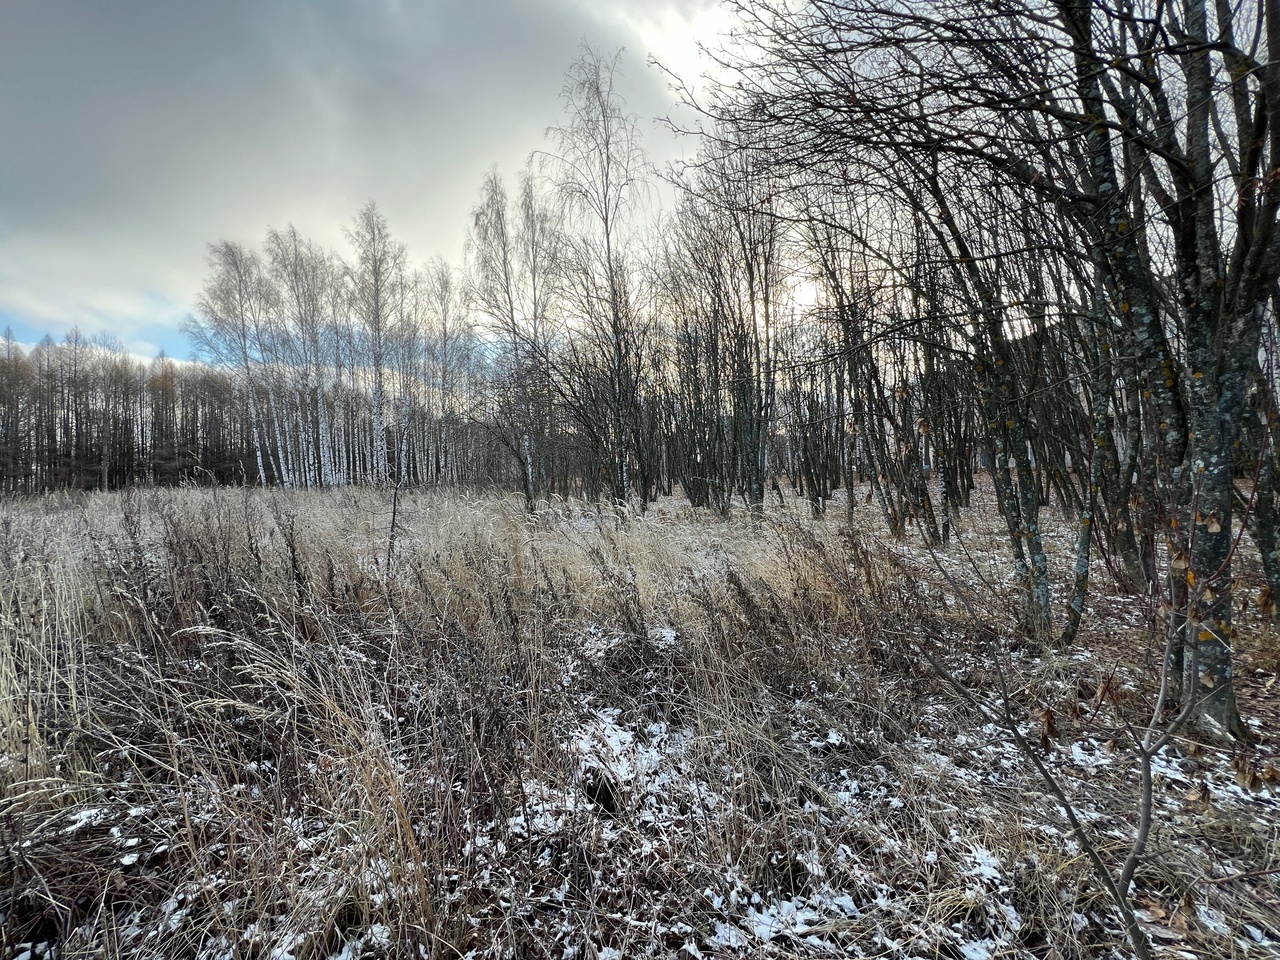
(256, 724)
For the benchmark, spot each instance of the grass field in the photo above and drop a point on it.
(258, 724)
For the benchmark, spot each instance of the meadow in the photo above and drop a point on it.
(260, 723)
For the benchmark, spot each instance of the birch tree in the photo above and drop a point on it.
(600, 173)
(378, 287)
(515, 253)
(232, 314)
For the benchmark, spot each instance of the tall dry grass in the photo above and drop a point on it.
(257, 723)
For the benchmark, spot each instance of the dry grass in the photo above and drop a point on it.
(253, 724)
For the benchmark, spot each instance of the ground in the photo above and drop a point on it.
(257, 723)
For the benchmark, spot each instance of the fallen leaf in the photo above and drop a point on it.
(1248, 779)
(1049, 723)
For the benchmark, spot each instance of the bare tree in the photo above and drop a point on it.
(1151, 131)
(450, 349)
(378, 285)
(729, 243)
(232, 316)
(306, 275)
(515, 259)
(600, 174)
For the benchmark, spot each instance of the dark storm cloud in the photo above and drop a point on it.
(134, 133)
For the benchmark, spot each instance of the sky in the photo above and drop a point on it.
(136, 132)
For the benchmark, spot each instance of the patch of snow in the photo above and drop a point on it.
(84, 818)
(664, 638)
(1212, 919)
(1012, 919)
(1088, 759)
(984, 864)
(812, 862)
(728, 937)
(1257, 936)
(978, 949)
(782, 918)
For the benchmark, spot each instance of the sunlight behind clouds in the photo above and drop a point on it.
(135, 139)
(671, 34)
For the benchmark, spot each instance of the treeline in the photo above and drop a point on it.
(84, 415)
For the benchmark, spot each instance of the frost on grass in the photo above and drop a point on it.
(247, 734)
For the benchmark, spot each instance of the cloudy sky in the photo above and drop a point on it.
(135, 132)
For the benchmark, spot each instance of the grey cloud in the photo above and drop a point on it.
(137, 132)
